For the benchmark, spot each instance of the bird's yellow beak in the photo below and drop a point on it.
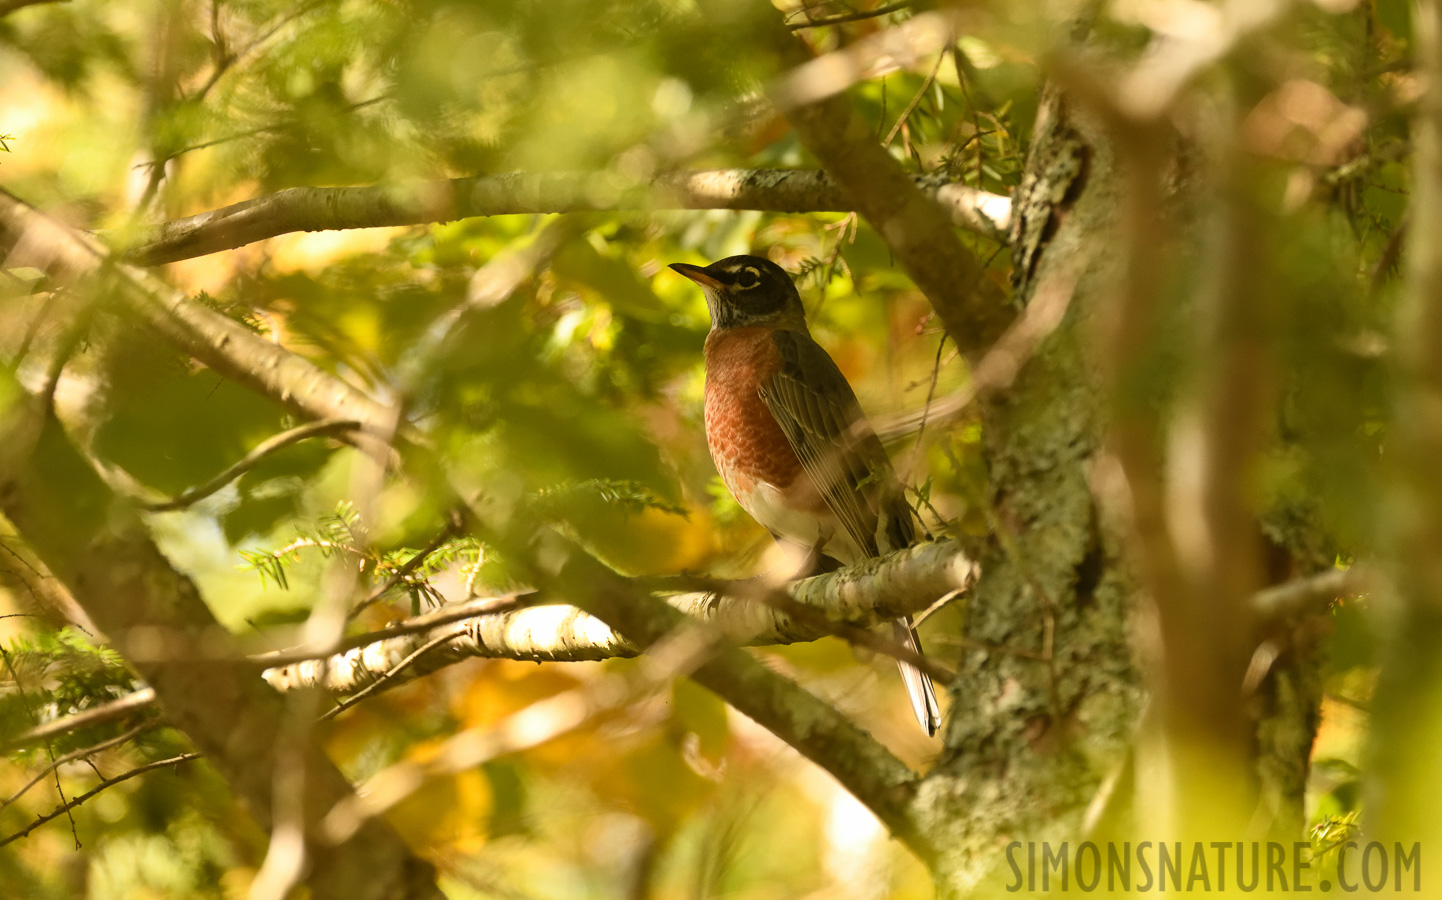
(697, 274)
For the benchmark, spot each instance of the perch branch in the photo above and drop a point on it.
(874, 591)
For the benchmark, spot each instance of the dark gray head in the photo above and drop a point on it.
(747, 290)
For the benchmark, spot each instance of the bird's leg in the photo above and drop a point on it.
(816, 561)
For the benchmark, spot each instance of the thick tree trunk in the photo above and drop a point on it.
(1040, 721)
(1048, 709)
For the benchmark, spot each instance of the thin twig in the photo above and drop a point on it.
(108, 712)
(49, 748)
(74, 755)
(915, 101)
(251, 460)
(470, 609)
(104, 785)
(391, 673)
(453, 528)
(852, 17)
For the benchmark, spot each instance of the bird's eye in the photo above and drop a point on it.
(748, 278)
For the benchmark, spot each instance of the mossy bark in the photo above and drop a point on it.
(1049, 703)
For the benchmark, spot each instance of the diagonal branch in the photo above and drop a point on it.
(153, 614)
(320, 209)
(882, 782)
(30, 238)
(105, 785)
(972, 307)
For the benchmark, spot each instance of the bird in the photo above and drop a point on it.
(789, 438)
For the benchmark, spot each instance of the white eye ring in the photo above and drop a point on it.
(755, 273)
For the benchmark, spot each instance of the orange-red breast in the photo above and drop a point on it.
(790, 440)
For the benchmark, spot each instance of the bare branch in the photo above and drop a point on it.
(109, 712)
(252, 459)
(30, 238)
(320, 209)
(71, 757)
(387, 677)
(972, 307)
(886, 10)
(105, 785)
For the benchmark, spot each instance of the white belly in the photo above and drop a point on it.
(808, 530)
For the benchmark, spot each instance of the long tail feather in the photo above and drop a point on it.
(918, 683)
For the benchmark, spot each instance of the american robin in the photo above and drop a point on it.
(790, 440)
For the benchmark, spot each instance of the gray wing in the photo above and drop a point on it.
(817, 410)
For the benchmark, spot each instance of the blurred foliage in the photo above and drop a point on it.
(61, 672)
(577, 397)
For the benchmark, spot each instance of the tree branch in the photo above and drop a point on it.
(108, 712)
(30, 238)
(73, 755)
(108, 783)
(972, 307)
(262, 450)
(321, 209)
(886, 10)
(874, 591)
(883, 783)
(154, 614)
